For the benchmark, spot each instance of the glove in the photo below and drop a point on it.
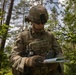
(34, 61)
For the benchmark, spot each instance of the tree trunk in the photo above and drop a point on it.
(5, 35)
(3, 5)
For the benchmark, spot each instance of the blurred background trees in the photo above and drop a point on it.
(61, 22)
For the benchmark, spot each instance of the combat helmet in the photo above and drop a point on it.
(38, 14)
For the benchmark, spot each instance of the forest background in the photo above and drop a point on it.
(62, 22)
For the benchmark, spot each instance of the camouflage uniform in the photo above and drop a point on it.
(41, 43)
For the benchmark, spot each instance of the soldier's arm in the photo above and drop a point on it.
(56, 47)
(17, 58)
(58, 53)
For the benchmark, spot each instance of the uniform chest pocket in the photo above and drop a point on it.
(40, 45)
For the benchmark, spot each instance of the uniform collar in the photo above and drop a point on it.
(33, 32)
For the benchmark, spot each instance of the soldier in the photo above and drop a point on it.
(33, 46)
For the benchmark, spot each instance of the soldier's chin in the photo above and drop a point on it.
(38, 30)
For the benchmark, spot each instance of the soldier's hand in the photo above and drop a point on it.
(34, 61)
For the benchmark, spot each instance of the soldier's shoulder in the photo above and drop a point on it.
(49, 33)
(25, 32)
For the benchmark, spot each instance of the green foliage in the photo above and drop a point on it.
(70, 52)
(70, 37)
(67, 35)
(3, 29)
(9, 73)
(6, 72)
(5, 65)
(4, 59)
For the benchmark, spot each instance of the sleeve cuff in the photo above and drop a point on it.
(22, 64)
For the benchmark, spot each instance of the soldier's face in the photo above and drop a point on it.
(37, 27)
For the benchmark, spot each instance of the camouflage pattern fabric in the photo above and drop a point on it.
(41, 43)
(38, 14)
